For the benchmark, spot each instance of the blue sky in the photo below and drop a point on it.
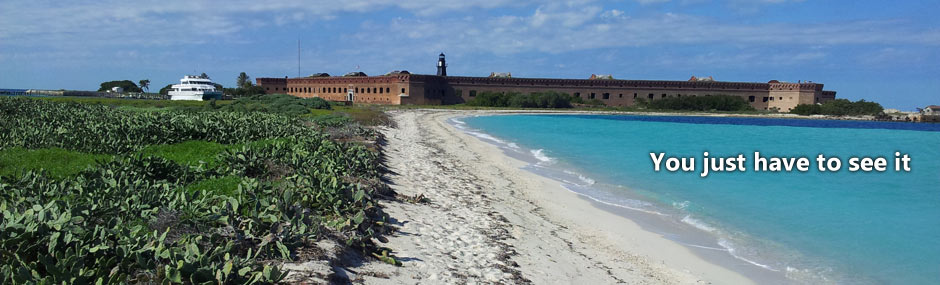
(885, 51)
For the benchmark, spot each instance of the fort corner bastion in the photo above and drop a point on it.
(399, 88)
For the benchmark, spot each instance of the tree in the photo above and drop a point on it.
(243, 80)
(532, 100)
(166, 90)
(204, 75)
(144, 84)
(701, 103)
(127, 85)
(245, 91)
(840, 107)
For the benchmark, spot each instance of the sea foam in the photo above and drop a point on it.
(540, 155)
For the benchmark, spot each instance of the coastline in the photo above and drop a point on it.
(490, 220)
(657, 113)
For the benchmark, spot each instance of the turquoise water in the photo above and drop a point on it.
(830, 227)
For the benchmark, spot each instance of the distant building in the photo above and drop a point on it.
(405, 88)
(931, 110)
(928, 114)
(117, 89)
(601, 77)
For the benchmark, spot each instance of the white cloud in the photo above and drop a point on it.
(165, 21)
(614, 13)
(556, 31)
(100, 29)
(647, 2)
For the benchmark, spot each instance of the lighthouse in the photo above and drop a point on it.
(441, 65)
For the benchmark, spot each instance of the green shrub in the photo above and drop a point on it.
(840, 107)
(517, 100)
(277, 103)
(278, 186)
(701, 103)
(127, 85)
(34, 124)
(190, 153)
(331, 120)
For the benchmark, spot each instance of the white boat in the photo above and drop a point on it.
(194, 87)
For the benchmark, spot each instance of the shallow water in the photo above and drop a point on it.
(813, 227)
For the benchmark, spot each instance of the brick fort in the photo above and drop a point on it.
(401, 87)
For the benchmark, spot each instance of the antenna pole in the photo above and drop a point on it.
(298, 57)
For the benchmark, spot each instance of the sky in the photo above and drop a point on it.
(883, 51)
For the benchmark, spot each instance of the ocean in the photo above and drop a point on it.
(810, 227)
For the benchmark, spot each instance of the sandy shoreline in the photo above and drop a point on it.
(489, 221)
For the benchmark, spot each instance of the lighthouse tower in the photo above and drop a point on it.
(441, 65)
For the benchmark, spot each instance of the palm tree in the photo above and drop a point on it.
(144, 84)
(243, 80)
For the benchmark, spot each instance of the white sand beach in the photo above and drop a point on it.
(489, 221)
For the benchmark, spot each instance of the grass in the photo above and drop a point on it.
(222, 185)
(190, 153)
(57, 162)
(139, 103)
(319, 112)
(366, 115)
(61, 163)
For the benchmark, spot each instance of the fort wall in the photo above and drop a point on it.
(437, 90)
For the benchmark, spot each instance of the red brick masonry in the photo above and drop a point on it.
(437, 90)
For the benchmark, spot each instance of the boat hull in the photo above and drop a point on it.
(194, 96)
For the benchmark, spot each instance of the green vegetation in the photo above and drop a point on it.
(190, 153)
(591, 103)
(144, 84)
(245, 91)
(277, 103)
(57, 162)
(136, 103)
(147, 210)
(517, 100)
(331, 120)
(166, 89)
(840, 107)
(128, 86)
(243, 80)
(245, 87)
(226, 185)
(700, 103)
(99, 129)
(365, 115)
